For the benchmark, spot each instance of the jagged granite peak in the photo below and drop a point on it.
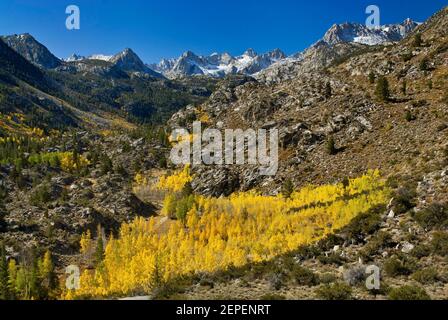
(128, 60)
(276, 54)
(32, 50)
(359, 33)
(250, 53)
(75, 57)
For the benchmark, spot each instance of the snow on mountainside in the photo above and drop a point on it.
(75, 57)
(339, 41)
(217, 65)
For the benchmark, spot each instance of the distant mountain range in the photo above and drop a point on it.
(339, 41)
(216, 65)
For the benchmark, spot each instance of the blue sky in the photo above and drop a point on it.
(165, 28)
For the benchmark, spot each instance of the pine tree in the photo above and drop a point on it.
(287, 189)
(331, 146)
(372, 77)
(3, 196)
(404, 87)
(187, 190)
(382, 89)
(424, 64)
(328, 90)
(106, 164)
(4, 288)
(34, 283)
(99, 252)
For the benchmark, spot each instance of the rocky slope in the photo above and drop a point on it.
(369, 132)
(404, 136)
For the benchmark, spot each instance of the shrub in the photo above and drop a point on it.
(417, 40)
(365, 224)
(40, 196)
(308, 252)
(305, 277)
(445, 99)
(400, 265)
(272, 297)
(426, 276)
(381, 241)
(409, 116)
(276, 280)
(421, 251)
(439, 243)
(407, 56)
(435, 216)
(355, 276)
(407, 293)
(327, 278)
(106, 164)
(330, 242)
(336, 291)
(333, 258)
(404, 200)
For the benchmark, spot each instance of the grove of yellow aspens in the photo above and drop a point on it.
(234, 231)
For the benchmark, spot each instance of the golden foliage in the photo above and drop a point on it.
(234, 231)
(175, 182)
(70, 162)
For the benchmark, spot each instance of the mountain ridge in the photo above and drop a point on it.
(32, 50)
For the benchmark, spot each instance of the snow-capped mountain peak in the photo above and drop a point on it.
(217, 64)
(250, 53)
(359, 33)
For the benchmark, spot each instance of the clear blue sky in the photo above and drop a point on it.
(166, 28)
